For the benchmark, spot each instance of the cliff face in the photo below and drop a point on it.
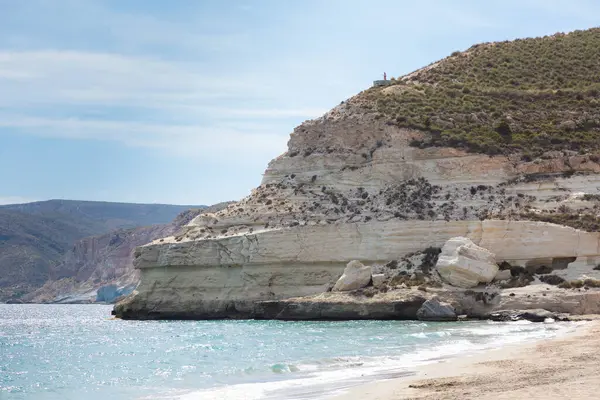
(355, 185)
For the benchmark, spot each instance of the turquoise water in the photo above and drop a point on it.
(52, 352)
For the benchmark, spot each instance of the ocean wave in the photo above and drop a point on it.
(335, 374)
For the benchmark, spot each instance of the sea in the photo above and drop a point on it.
(52, 352)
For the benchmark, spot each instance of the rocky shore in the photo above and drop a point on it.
(556, 369)
(461, 280)
(386, 196)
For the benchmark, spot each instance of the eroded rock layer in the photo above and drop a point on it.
(354, 185)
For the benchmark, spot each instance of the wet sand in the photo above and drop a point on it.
(567, 367)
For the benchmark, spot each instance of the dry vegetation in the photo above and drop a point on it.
(529, 95)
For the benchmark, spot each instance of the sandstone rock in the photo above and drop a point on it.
(223, 277)
(355, 276)
(350, 187)
(378, 280)
(434, 310)
(464, 264)
(503, 275)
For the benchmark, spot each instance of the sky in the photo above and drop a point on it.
(186, 101)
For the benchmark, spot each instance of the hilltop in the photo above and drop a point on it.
(528, 96)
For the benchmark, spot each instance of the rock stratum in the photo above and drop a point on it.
(361, 183)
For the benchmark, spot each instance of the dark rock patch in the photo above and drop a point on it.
(551, 279)
(534, 315)
(504, 265)
(336, 310)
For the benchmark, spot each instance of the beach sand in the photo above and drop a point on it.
(567, 367)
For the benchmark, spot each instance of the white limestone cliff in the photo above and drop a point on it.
(351, 188)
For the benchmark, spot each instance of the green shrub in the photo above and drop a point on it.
(528, 95)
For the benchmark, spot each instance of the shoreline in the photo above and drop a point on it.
(566, 366)
(350, 382)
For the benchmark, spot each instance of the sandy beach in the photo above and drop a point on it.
(565, 367)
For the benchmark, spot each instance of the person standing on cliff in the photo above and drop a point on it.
(384, 76)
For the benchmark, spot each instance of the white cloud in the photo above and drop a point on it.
(215, 143)
(40, 90)
(69, 76)
(72, 77)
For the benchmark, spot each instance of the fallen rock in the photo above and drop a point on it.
(533, 315)
(503, 275)
(434, 310)
(378, 280)
(355, 276)
(552, 279)
(464, 264)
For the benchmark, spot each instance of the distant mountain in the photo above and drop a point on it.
(102, 216)
(105, 262)
(34, 237)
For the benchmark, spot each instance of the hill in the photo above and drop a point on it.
(102, 216)
(491, 144)
(526, 96)
(35, 236)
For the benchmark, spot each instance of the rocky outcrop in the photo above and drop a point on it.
(225, 277)
(464, 264)
(409, 304)
(533, 315)
(340, 307)
(354, 185)
(355, 276)
(434, 310)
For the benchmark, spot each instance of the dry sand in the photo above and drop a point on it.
(563, 368)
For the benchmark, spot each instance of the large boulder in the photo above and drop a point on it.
(355, 276)
(434, 310)
(464, 264)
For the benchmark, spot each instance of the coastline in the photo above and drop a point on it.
(563, 367)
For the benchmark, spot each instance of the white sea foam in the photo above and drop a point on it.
(333, 376)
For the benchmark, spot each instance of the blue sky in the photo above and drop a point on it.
(187, 101)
